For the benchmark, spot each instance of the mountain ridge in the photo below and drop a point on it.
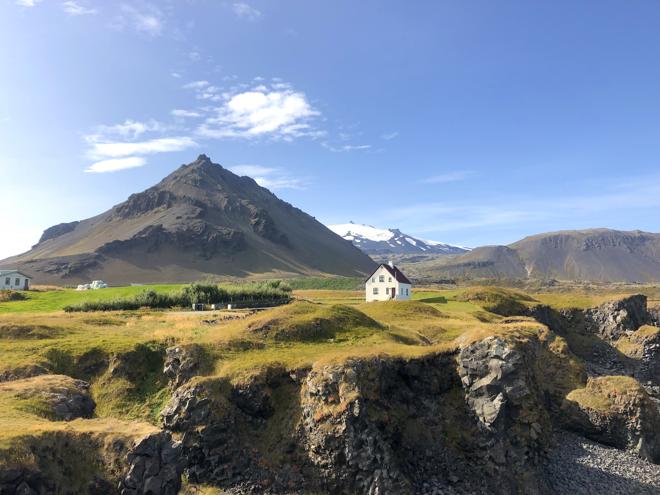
(599, 254)
(376, 241)
(201, 220)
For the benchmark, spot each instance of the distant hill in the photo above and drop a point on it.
(601, 255)
(201, 220)
(374, 241)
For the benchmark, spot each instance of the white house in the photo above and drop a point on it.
(15, 280)
(388, 283)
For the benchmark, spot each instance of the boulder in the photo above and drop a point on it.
(154, 466)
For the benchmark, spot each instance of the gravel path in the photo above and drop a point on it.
(579, 466)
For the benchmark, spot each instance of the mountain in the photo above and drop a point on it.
(375, 241)
(599, 255)
(201, 220)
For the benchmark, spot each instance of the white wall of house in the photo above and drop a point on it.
(14, 281)
(382, 286)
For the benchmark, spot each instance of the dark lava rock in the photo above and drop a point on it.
(154, 467)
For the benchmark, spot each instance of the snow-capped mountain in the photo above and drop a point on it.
(375, 241)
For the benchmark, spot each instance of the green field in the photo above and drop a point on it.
(44, 301)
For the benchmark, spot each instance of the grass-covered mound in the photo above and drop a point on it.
(504, 302)
(633, 345)
(608, 394)
(308, 322)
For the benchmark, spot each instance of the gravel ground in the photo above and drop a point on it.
(579, 466)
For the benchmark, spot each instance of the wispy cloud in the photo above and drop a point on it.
(27, 3)
(346, 147)
(640, 193)
(185, 113)
(390, 135)
(115, 149)
(75, 8)
(455, 176)
(130, 128)
(269, 177)
(277, 112)
(245, 11)
(147, 19)
(115, 164)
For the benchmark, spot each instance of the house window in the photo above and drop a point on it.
(389, 279)
(8, 281)
(406, 292)
(373, 279)
(18, 281)
(381, 278)
(401, 290)
(375, 291)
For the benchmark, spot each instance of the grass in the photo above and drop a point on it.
(608, 394)
(121, 352)
(633, 345)
(44, 301)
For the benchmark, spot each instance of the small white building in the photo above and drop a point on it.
(14, 280)
(388, 283)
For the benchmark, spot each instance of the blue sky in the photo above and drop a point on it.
(466, 122)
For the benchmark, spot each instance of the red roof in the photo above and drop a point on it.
(395, 272)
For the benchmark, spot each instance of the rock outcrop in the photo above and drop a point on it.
(616, 411)
(154, 467)
(615, 318)
(503, 393)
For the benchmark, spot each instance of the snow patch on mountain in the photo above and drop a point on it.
(373, 240)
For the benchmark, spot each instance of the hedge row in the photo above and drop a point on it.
(273, 290)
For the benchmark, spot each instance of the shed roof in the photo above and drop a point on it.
(9, 272)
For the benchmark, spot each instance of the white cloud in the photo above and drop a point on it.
(176, 75)
(261, 112)
(185, 113)
(390, 135)
(115, 164)
(252, 170)
(245, 11)
(74, 8)
(148, 20)
(455, 176)
(346, 147)
(100, 150)
(196, 85)
(132, 128)
(27, 3)
(268, 177)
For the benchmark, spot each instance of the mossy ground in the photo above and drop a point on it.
(607, 394)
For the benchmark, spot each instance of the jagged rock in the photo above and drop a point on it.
(57, 231)
(503, 393)
(340, 438)
(614, 318)
(182, 362)
(24, 482)
(615, 411)
(154, 467)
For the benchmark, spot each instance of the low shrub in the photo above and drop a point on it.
(11, 295)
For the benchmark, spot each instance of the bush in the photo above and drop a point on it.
(11, 295)
(198, 293)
